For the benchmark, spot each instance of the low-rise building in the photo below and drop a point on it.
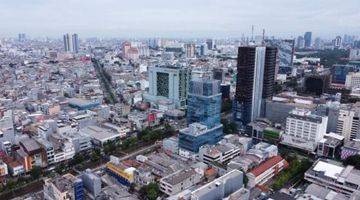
(332, 175)
(220, 188)
(265, 171)
(66, 187)
(100, 136)
(124, 175)
(31, 154)
(179, 181)
(350, 148)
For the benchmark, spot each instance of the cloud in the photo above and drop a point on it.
(134, 18)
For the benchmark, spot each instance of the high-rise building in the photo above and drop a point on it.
(71, 43)
(304, 130)
(169, 82)
(190, 50)
(75, 43)
(204, 102)
(307, 38)
(339, 73)
(285, 51)
(300, 42)
(348, 123)
(197, 135)
(21, 37)
(337, 42)
(255, 82)
(210, 44)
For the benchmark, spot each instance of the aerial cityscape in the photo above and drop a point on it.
(183, 100)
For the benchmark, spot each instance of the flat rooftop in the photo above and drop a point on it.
(179, 176)
(100, 134)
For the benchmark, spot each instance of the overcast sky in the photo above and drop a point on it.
(178, 18)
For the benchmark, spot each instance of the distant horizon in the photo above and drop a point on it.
(179, 19)
(185, 37)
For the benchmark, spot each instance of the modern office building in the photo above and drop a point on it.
(348, 123)
(169, 82)
(286, 49)
(300, 43)
(71, 43)
(334, 176)
(204, 102)
(220, 188)
(340, 72)
(210, 44)
(255, 82)
(307, 38)
(304, 130)
(197, 135)
(21, 37)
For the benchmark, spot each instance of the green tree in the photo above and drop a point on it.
(35, 172)
(353, 160)
(150, 191)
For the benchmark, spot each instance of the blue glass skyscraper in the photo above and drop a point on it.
(204, 102)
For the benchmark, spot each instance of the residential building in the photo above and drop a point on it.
(7, 132)
(30, 154)
(190, 50)
(255, 82)
(66, 187)
(204, 102)
(261, 174)
(3, 169)
(71, 43)
(332, 175)
(197, 135)
(179, 181)
(169, 82)
(304, 130)
(220, 188)
(91, 182)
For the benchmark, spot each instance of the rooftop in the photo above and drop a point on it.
(266, 165)
(179, 176)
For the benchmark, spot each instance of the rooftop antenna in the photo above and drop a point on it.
(263, 37)
(252, 33)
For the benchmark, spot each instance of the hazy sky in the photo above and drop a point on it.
(178, 18)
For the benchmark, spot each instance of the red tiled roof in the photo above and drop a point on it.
(267, 165)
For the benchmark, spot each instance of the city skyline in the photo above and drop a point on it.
(160, 18)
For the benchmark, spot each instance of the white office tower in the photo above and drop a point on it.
(348, 121)
(71, 43)
(304, 129)
(169, 83)
(352, 80)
